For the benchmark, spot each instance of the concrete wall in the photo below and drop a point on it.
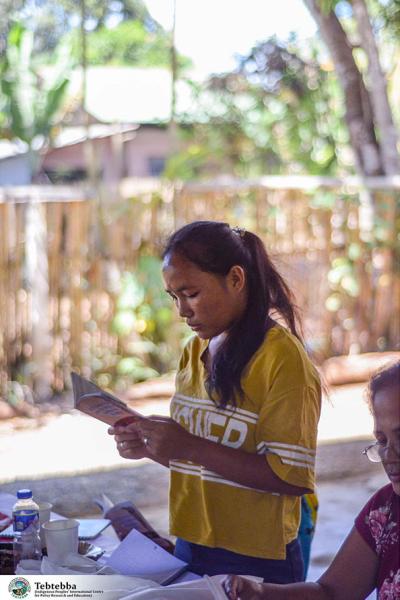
(134, 154)
(148, 144)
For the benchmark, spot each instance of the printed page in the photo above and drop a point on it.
(138, 556)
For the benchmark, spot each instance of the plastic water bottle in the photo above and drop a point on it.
(26, 525)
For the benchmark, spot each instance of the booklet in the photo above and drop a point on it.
(140, 557)
(92, 400)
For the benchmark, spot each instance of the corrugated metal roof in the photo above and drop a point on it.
(68, 136)
(9, 148)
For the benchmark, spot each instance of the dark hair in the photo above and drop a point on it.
(215, 248)
(387, 377)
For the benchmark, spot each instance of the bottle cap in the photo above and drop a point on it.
(23, 494)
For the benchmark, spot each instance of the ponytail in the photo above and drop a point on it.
(215, 248)
(278, 296)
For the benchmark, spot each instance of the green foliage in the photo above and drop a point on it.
(343, 280)
(51, 20)
(133, 368)
(390, 14)
(279, 112)
(142, 323)
(186, 165)
(341, 275)
(8, 15)
(129, 43)
(323, 199)
(328, 5)
(384, 15)
(101, 11)
(117, 33)
(300, 102)
(30, 103)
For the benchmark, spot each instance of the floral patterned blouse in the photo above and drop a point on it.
(378, 524)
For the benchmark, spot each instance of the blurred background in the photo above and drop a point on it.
(122, 120)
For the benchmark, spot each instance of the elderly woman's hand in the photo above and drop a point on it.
(240, 588)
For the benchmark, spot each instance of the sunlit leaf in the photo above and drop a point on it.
(333, 303)
(354, 251)
(124, 322)
(350, 285)
(132, 294)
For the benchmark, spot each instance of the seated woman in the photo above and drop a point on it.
(370, 556)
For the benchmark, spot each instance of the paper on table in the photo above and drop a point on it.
(73, 564)
(186, 576)
(7, 502)
(205, 588)
(91, 528)
(137, 555)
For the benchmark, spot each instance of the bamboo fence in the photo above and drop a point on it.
(62, 249)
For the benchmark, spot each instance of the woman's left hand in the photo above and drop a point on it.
(165, 438)
(240, 588)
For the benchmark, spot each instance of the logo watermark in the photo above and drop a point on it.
(19, 587)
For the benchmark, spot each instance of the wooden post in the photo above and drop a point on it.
(37, 283)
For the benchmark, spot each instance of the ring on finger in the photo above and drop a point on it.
(145, 440)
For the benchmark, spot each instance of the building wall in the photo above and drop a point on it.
(134, 154)
(142, 153)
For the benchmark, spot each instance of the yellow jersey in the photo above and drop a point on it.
(278, 418)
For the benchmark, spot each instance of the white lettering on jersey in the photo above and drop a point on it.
(201, 422)
(184, 415)
(213, 419)
(234, 427)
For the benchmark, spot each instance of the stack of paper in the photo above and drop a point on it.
(137, 555)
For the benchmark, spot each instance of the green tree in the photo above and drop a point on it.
(129, 43)
(278, 112)
(352, 38)
(287, 108)
(30, 104)
(358, 35)
(52, 19)
(118, 33)
(8, 9)
(298, 105)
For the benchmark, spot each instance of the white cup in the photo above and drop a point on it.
(44, 515)
(61, 538)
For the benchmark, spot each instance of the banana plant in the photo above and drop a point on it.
(30, 102)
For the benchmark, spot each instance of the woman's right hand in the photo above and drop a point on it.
(240, 588)
(129, 442)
